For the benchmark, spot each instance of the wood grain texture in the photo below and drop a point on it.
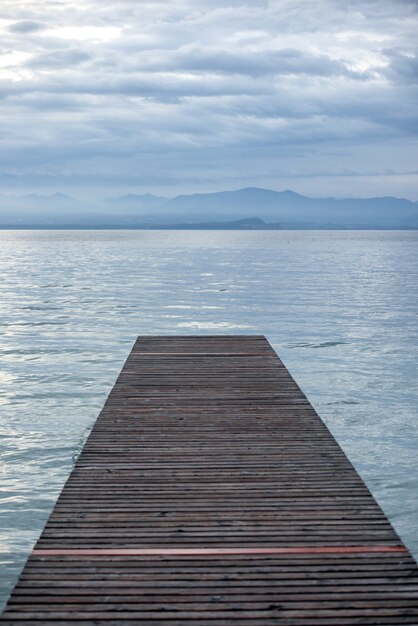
(209, 492)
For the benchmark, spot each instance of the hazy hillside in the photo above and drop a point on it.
(289, 207)
(132, 203)
(285, 209)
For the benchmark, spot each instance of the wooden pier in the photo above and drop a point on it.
(210, 493)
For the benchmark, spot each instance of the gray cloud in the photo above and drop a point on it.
(258, 63)
(58, 59)
(194, 93)
(403, 65)
(26, 26)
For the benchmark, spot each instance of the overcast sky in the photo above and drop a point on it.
(120, 96)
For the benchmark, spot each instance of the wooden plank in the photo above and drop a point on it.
(210, 493)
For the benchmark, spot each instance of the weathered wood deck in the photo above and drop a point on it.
(210, 493)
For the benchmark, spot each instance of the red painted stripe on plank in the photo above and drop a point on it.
(216, 551)
(205, 354)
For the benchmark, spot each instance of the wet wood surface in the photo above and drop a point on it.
(209, 492)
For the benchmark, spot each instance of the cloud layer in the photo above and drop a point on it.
(201, 95)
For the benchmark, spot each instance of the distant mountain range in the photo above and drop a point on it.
(250, 208)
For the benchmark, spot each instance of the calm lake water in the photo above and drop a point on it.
(340, 308)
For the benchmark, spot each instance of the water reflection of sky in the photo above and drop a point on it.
(340, 308)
